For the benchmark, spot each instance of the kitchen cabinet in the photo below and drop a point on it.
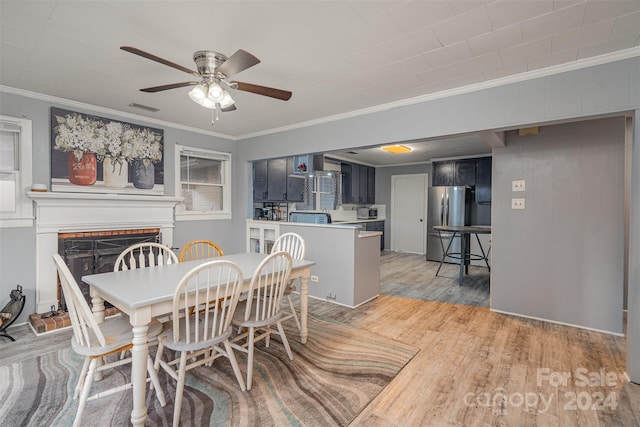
(376, 226)
(295, 183)
(277, 180)
(483, 181)
(350, 182)
(358, 183)
(371, 185)
(442, 174)
(260, 181)
(274, 181)
(261, 235)
(462, 172)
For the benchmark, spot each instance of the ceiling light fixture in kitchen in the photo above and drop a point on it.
(397, 149)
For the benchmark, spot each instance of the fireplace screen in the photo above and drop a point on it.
(95, 254)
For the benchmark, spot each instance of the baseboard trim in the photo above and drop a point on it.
(557, 322)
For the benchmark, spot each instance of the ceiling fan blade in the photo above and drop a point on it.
(239, 61)
(229, 108)
(166, 87)
(284, 95)
(147, 55)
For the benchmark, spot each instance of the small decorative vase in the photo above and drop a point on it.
(82, 171)
(115, 173)
(143, 175)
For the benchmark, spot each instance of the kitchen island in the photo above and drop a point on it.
(347, 269)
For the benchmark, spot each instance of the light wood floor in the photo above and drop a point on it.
(411, 276)
(473, 368)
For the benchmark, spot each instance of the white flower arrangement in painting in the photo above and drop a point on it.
(147, 147)
(76, 134)
(117, 140)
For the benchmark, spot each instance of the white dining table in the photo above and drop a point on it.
(146, 293)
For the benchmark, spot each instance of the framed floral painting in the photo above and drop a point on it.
(91, 154)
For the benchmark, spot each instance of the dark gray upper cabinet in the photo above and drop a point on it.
(470, 172)
(363, 193)
(442, 174)
(260, 181)
(295, 183)
(277, 180)
(273, 181)
(465, 172)
(358, 183)
(483, 181)
(371, 185)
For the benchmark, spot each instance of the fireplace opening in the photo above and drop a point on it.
(96, 252)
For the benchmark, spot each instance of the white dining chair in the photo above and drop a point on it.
(293, 244)
(95, 341)
(146, 254)
(202, 337)
(262, 309)
(141, 255)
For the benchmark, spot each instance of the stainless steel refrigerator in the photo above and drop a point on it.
(447, 206)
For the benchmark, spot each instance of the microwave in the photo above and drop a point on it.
(367, 213)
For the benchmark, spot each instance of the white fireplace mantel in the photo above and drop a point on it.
(69, 212)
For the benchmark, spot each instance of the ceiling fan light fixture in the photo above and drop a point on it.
(215, 93)
(227, 101)
(397, 149)
(198, 93)
(207, 103)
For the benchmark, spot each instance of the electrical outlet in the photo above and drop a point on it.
(314, 279)
(517, 203)
(517, 185)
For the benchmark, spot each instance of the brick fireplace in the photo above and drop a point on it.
(80, 214)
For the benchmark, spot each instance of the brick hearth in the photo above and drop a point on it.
(57, 322)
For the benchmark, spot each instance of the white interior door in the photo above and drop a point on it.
(409, 213)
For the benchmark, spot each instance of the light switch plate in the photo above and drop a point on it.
(517, 203)
(517, 185)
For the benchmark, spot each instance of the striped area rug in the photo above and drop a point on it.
(331, 379)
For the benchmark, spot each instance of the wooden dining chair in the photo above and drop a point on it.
(146, 254)
(292, 243)
(200, 338)
(263, 307)
(199, 249)
(95, 341)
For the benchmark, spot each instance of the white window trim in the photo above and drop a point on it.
(23, 216)
(182, 215)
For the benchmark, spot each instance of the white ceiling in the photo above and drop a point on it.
(336, 57)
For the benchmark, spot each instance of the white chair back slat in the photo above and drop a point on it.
(291, 243)
(267, 287)
(212, 289)
(143, 255)
(84, 324)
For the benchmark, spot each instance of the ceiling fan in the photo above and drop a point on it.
(213, 71)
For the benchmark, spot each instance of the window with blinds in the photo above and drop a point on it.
(16, 209)
(204, 183)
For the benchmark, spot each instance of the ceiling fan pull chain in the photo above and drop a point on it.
(215, 118)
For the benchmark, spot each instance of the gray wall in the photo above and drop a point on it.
(17, 245)
(562, 257)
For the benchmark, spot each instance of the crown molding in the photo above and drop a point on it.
(528, 75)
(103, 110)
